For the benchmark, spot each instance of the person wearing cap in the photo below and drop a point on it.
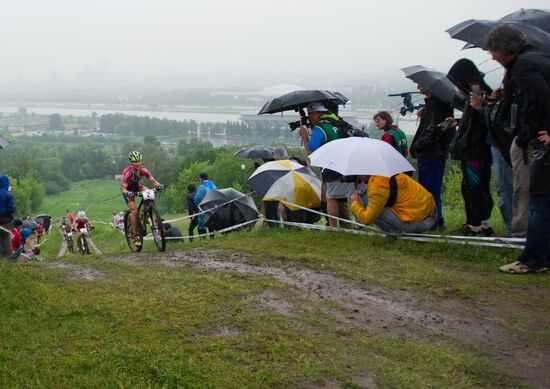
(323, 131)
(205, 186)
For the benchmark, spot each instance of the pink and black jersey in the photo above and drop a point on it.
(131, 177)
(81, 223)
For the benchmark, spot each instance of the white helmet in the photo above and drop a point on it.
(81, 214)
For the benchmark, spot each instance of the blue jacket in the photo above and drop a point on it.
(25, 233)
(204, 187)
(7, 205)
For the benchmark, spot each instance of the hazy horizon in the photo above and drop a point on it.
(73, 45)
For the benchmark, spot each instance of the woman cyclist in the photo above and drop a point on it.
(131, 185)
(81, 222)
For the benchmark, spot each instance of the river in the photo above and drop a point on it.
(170, 115)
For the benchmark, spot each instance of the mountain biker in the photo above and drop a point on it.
(81, 222)
(131, 185)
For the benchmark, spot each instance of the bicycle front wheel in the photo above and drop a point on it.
(157, 229)
(128, 233)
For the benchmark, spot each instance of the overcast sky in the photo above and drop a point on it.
(77, 40)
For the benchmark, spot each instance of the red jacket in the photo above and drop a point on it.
(15, 240)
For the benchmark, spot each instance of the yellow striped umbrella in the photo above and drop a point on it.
(287, 180)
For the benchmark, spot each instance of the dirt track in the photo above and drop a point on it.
(382, 312)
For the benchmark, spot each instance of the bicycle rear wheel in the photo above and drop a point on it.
(157, 229)
(128, 233)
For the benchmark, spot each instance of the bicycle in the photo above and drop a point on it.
(82, 243)
(70, 242)
(147, 214)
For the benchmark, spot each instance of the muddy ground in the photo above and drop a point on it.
(379, 311)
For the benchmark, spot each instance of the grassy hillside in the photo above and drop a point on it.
(271, 308)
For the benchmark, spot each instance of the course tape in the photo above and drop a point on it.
(228, 229)
(500, 242)
(419, 238)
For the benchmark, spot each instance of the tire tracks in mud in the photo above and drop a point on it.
(382, 312)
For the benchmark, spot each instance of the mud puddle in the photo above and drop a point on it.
(379, 311)
(77, 272)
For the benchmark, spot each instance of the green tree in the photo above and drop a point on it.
(28, 194)
(55, 122)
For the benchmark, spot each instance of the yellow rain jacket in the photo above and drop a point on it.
(413, 203)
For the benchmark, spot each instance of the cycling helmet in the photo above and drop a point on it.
(134, 156)
(81, 214)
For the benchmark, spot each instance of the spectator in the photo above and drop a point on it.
(25, 241)
(270, 208)
(16, 243)
(530, 70)
(7, 209)
(32, 225)
(431, 147)
(334, 187)
(192, 209)
(205, 186)
(396, 204)
(495, 108)
(172, 232)
(392, 134)
(118, 219)
(472, 150)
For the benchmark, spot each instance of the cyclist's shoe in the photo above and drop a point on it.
(137, 241)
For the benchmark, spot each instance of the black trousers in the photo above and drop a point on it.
(192, 225)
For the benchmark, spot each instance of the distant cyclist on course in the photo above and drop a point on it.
(130, 183)
(81, 222)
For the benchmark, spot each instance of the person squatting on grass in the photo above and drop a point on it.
(530, 69)
(401, 206)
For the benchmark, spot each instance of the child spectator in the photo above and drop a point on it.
(16, 243)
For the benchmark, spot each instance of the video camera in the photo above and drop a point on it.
(408, 105)
(303, 122)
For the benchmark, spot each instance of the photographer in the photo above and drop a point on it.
(471, 149)
(324, 131)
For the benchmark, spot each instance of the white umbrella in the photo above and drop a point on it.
(360, 156)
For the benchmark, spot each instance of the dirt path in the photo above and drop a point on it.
(92, 244)
(379, 311)
(63, 248)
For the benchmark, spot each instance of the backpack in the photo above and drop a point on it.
(343, 128)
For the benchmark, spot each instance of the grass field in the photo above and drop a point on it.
(269, 308)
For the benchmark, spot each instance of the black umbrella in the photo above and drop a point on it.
(535, 17)
(221, 215)
(435, 82)
(256, 152)
(294, 101)
(474, 31)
